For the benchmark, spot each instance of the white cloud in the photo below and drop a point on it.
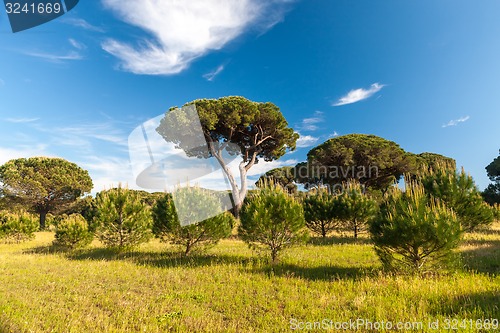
(182, 31)
(310, 124)
(306, 141)
(81, 23)
(455, 122)
(211, 76)
(72, 55)
(76, 44)
(360, 94)
(21, 120)
(334, 134)
(7, 154)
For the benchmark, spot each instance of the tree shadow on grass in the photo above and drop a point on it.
(336, 240)
(484, 257)
(163, 259)
(481, 305)
(318, 273)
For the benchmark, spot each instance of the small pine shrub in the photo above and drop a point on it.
(197, 236)
(415, 233)
(272, 219)
(319, 212)
(17, 227)
(354, 208)
(73, 232)
(122, 219)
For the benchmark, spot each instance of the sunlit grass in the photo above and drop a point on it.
(230, 289)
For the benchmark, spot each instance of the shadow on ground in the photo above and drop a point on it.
(326, 273)
(336, 240)
(481, 305)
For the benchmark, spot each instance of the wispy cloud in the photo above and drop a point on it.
(76, 44)
(21, 120)
(7, 154)
(360, 94)
(455, 122)
(211, 76)
(306, 141)
(72, 55)
(81, 23)
(310, 124)
(182, 31)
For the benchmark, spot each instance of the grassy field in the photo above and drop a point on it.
(152, 289)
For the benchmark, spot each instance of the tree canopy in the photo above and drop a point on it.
(233, 125)
(44, 184)
(369, 159)
(492, 193)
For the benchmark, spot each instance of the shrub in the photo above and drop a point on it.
(354, 208)
(17, 227)
(459, 192)
(73, 232)
(197, 236)
(272, 219)
(122, 219)
(414, 232)
(319, 212)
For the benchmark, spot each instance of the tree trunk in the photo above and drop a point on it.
(323, 231)
(43, 218)
(355, 229)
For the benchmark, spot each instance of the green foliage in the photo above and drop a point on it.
(73, 232)
(17, 227)
(492, 193)
(273, 219)
(432, 161)
(283, 176)
(44, 184)
(413, 232)
(354, 208)
(319, 212)
(197, 236)
(232, 125)
(458, 192)
(369, 159)
(122, 219)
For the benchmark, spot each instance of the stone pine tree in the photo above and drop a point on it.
(492, 193)
(283, 176)
(414, 232)
(233, 126)
(197, 236)
(371, 160)
(319, 212)
(123, 220)
(272, 220)
(44, 184)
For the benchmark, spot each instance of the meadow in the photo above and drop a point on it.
(231, 289)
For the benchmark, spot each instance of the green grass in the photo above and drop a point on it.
(229, 289)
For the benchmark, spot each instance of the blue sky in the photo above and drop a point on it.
(424, 74)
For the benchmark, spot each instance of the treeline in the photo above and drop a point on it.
(415, 226)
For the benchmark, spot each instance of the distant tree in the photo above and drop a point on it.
(492, 193)
(234, 125)
(354, 208)
(283, 176)
(44, 184)
(414, 232)
(429, 161)
(458, 191)
(72, 232)
(319, 212)
(272, 219)
(193, 237)
(122, 220)
(371, 160)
